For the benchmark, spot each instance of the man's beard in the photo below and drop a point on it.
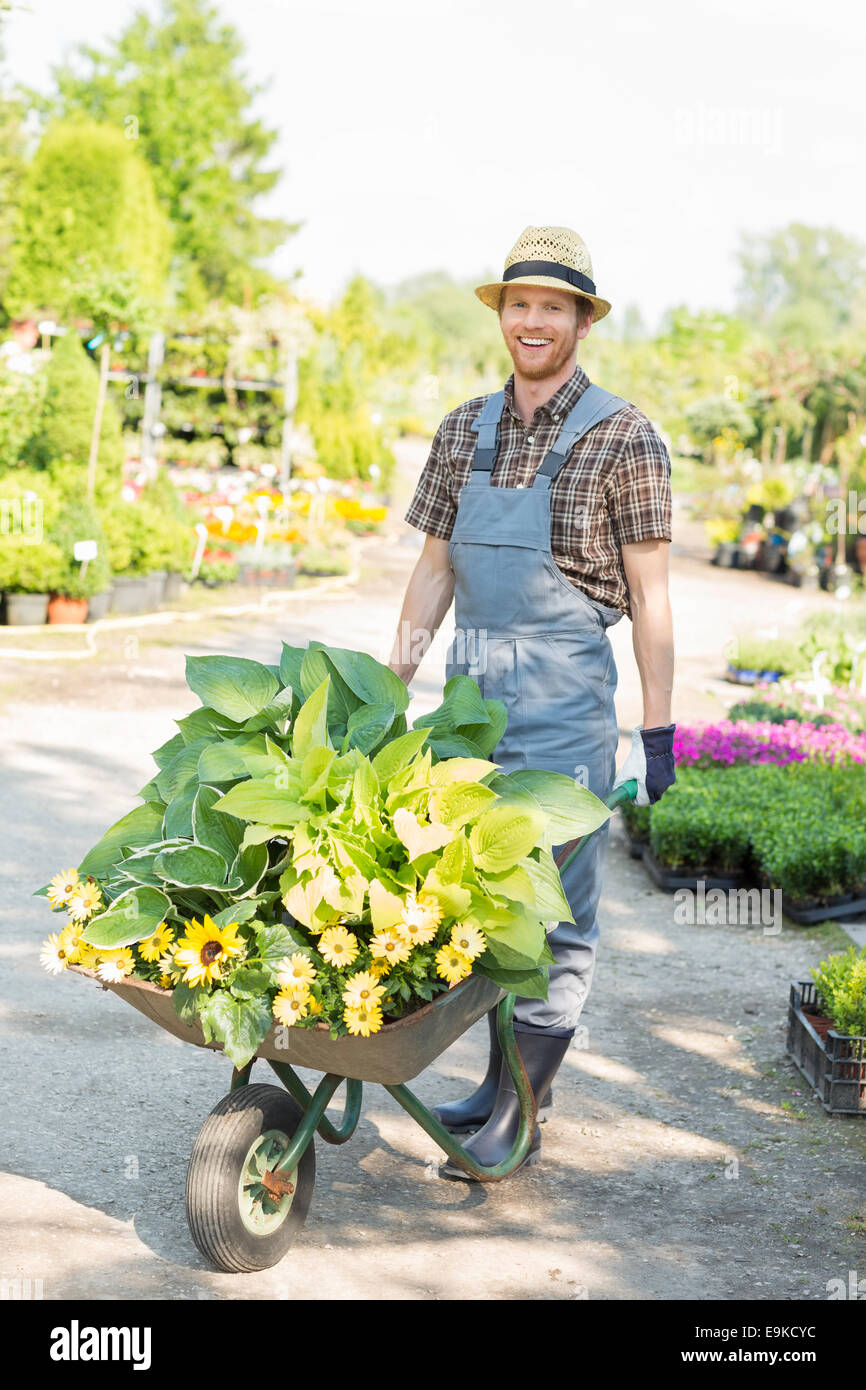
(550, 363)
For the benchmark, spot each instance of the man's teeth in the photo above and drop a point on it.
(536, 342)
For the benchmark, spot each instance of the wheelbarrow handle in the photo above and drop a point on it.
(626, 791)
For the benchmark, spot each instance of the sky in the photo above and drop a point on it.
(421, 137)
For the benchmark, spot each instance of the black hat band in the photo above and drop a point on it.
(553, 269)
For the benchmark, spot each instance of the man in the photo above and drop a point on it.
(547, 509)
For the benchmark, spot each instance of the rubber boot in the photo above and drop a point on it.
(541, 1054)
(465, 1116)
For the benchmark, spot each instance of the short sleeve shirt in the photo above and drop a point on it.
(613, 490)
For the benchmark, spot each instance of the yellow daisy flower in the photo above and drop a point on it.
(313, 1005)
(151, 949)
(468, 940)
(379, 968)
(452, 965)
(290, 1005)
(389, 946)
(87, 956)
(54, 956)
(165, 982)
(205, 948)
(84, 900)
(362, 991)
(61, 886)
(116, 965)
(363, 1021)
(338, 946)
(420, 919)
(72, 945)
(296, 972)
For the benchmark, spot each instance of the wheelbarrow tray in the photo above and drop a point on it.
(399, 1051)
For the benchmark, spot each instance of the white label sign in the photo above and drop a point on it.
(84, 550)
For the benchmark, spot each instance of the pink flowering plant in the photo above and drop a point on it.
(740, 741)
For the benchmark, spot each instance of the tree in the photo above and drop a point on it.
(172, 86)
(802, 281)
(87, 200)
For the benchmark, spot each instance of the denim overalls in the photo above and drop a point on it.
(531, 639)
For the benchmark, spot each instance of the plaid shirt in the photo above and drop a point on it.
(614, 489)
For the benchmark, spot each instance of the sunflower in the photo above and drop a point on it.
(338, 946)
(468, 940)
(291, 1005)
(362, 991)
(363, 1021)
(54, 955)
(452, 965)
(205, 948)
(419, 920)
(151, 949)
(116, 965)
(61, 886)
(389, 946)
(296, 973)
(83, 901)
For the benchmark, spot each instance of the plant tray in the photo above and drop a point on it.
(852, 905)
(399, 1051)
(672, 879)
(835, 1065)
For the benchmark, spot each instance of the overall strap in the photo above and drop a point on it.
(486, 426)
(595, 405)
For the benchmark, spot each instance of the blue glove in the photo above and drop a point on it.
(650, 763)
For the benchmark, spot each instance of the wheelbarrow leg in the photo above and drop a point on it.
(455, 1151)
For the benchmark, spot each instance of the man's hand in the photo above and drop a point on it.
(650, 763)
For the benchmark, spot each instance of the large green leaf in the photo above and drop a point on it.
(137, 828)
(291, 661)
(468, 769)
(527, 984)
(181, 770)
(503, 835)
(133, 916)
(516, 943)
(274, 715)
(447, 746)
(372, 682)
(260, 800)
(236, 912)
(398, 754)
(206, 723)
(311, 725)
(193, 866)
(214, 829)
(177, 821)
(169, 750)
(461, 704)
(486, 736)
(231, 685)
(241, 1025)
(222, 762)
(342, 701)
(457, 803)
(367, 726)
(551, 903)
(247, 869)
(572, 810)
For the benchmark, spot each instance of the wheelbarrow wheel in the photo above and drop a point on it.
(235, 1220)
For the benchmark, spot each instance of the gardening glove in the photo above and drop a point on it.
(650, 763)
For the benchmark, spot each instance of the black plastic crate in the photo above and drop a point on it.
(834, 1067)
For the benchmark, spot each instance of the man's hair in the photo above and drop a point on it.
(584, 307)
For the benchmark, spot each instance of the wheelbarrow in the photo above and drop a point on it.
(252, 1170)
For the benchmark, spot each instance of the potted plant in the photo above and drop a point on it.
(28, 573)
(78, 581)
(827, 1031)
(722, 534)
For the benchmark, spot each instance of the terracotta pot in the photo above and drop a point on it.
(66, 610)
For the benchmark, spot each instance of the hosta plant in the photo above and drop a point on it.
(301, 855)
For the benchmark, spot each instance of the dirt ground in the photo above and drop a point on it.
(686, 1157)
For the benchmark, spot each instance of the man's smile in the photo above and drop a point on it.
(534, 342)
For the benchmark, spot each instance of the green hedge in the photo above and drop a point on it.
(801, 828)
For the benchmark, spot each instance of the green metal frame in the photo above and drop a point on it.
(315, 1120)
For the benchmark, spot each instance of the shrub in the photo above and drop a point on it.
(770, 654)
(77, 522)
(63, 433)
(841, 983)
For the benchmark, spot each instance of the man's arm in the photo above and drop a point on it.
(646, 572)
(427, 600)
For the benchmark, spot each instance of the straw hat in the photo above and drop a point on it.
(552, 256)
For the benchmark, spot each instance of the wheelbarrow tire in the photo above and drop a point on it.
(232, 1221)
